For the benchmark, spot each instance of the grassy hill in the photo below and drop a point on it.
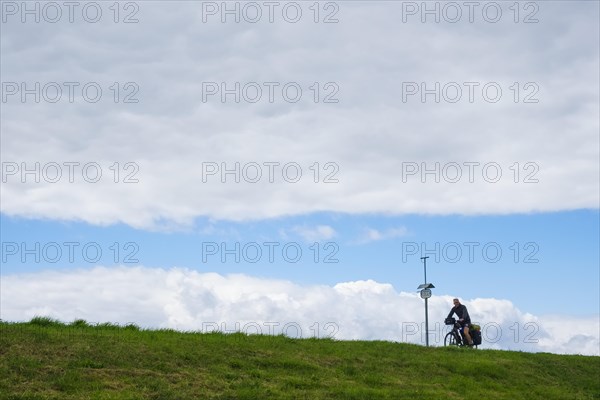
(44, 359)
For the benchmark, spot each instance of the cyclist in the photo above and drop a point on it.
(463, 319)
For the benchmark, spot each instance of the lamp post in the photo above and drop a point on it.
(426, 294)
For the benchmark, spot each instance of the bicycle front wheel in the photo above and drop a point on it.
(450, 339)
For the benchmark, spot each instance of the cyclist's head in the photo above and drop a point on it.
(456, 302)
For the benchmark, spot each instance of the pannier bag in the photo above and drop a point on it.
(475, 332)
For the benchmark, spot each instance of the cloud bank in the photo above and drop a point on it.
(355, 156)
(184, 299)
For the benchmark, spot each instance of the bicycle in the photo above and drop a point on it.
(455, 336)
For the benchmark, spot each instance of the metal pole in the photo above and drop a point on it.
(426, 325)
(426, 310)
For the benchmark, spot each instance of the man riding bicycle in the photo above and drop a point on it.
(463, 319)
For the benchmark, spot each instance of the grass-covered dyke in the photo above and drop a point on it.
(45, 359)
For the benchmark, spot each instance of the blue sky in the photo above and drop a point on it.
(557, 253)
(476, 132)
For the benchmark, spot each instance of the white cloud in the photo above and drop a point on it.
(314, 234)
(369, 134)
(188, 300)
(373, 235)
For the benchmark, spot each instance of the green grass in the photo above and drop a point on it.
(44, 359)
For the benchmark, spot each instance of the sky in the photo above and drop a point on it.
(254, 165)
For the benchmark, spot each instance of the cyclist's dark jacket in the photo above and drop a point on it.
(461, 312)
